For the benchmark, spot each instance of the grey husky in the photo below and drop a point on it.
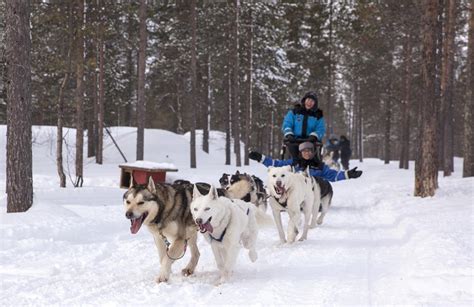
(164, 209)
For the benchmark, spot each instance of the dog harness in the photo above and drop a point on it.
(223, 233)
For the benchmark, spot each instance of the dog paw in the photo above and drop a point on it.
(160, 279)
(302, 239)
(187, 272)
(320, 221)
(253, 255)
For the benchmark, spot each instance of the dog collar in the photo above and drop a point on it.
(220, 239)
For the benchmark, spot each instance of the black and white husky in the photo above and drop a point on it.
(246, 187)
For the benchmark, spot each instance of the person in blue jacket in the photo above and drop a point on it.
(304, 121)
(307, 158)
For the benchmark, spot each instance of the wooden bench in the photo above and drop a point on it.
(142, 170)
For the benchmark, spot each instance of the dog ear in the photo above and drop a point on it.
(151, 185)
(237, 173)
(132, 184)
(196, 192)
(213, 193)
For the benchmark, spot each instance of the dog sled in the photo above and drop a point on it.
(318, 146)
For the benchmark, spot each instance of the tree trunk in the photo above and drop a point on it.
(447, 82)
(248, 107)
(79, 93)
(91, 85)
(130, 72)
(19, 174)
(360, 139)
(330, 122)
(228, 121)
(406, 103)
(387, 123)
(100, 102)
(236, 85)
(141, 82)
(193, 82)
(438, 71)
(207, 106)
(59, 133)
(426, 163)
(468, 163)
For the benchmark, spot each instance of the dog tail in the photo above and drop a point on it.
(263, 219)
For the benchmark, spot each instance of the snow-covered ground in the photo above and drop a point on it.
(379, 245)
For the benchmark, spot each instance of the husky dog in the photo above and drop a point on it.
(293, 193)
(328, 160)
(247, 188)
(164, 209)
(225, 181)
(322, 190)
(225, 223)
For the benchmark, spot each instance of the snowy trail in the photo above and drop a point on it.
(378, 245)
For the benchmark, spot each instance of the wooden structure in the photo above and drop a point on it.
(141, 171)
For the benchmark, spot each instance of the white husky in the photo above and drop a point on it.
(293, 193)
(225, 223)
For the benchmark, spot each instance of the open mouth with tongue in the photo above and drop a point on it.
(136, 222)
(203, 227)
(279, 189)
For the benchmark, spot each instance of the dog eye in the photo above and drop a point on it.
(195, 209)
(207, 209)
(283, 175)
(141, 203)
(128, 202)
(274, 176)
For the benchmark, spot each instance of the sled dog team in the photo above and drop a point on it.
(227, 217)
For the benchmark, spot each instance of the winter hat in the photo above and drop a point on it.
(306, 145)
(311, 95)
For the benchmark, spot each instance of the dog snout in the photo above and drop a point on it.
(129, 214)
(278, 183)
(199, 221)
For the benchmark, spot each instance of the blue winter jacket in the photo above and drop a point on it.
(293, 123)
(326, 172)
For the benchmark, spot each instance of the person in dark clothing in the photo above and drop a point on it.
(346, 152)
(304, 122)
(334, 147)
(307, 158)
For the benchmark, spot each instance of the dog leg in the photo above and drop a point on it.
(249, 240)
(277, 217)
(325, 208)
(316, 206)
(230, 257)
(218, 256)
(176, 249)
(189, 269)
(160, 245)
(293, 225)
(307, 217)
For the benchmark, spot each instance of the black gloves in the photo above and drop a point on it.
(255, 156)
(290, 138)
(354, 173)
(313, 139)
